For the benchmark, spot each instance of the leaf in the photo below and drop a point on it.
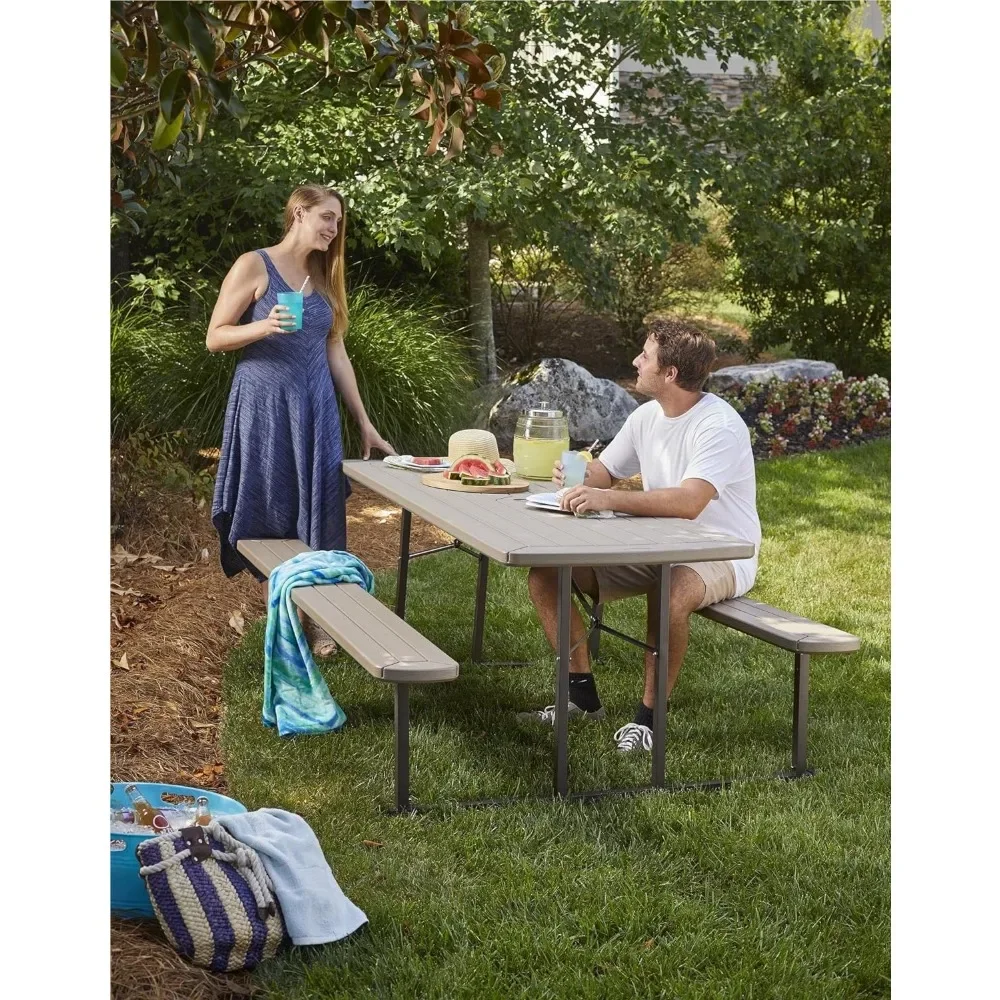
(148, 557)
(122, 664)
(419, 15)
(119, 592)
(457, 143)
(222, 90)
(163, 566)
(202, 725)
(204, 555)
(488, 97)
(236, 622)
(202, 40)
(495, 64)
(282, 23)
(170, 14)
(119, 67)
(173, 94)
(373, 843)
(120, 556)
(366, 42)
(312, 27)
(436, 134)
(166, 132)
(152, 53)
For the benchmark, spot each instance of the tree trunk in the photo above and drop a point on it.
(481, 302)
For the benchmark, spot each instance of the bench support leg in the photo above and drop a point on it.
(480, 620)
(402, 747)
(800, 714)
(660, 695)
(594, 640)
(403, 567)
(561, 776)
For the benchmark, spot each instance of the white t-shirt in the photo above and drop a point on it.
(709, 442)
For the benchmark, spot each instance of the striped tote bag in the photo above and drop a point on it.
(212, 897)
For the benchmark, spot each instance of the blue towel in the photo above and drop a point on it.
(296, 698)
(314, 907)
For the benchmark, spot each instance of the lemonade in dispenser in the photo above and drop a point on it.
(540, 437)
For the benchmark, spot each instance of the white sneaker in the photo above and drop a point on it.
(634, 736)
(547, 716)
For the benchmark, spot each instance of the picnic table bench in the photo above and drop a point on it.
(380, 641)
(801, 636)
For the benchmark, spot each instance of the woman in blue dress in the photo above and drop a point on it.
(280, 473)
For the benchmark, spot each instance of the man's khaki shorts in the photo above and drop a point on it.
(617, 582)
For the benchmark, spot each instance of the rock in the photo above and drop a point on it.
(739, 375)
(596, 407)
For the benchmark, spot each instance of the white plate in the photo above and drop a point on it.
(406, 462)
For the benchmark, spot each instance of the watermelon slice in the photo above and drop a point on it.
(429, 461)
(470, 465)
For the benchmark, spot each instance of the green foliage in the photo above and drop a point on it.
(531, 287)
(162, 377)
(146, 466)
(809, 194)
(412, 372)
(174, 65)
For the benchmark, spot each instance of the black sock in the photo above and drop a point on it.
(643, 716)
(583, 692)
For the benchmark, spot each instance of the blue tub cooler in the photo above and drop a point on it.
(128, 891)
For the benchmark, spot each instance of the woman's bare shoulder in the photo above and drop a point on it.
(249, 269)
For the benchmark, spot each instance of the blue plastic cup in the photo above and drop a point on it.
(574, 468)
(293, 302)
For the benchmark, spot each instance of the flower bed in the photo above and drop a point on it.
(800, 415)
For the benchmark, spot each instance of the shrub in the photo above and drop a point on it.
(809, 193)
(413, 374)
(150, 475)
(800, 415)
(162, 377)
(527, 282)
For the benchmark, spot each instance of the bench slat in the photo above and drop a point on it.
(782, 628)
(385, 645)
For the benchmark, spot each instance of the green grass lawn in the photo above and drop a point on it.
(767, 890)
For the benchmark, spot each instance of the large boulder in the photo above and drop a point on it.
(737, 376)
(596, 407)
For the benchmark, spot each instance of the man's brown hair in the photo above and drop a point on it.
(685, 348)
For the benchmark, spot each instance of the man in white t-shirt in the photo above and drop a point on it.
(693, 451)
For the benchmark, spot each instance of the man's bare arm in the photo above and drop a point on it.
(687, 500)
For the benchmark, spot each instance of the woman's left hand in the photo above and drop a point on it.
(370, 438)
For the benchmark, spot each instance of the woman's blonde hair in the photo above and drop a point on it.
(326, 267)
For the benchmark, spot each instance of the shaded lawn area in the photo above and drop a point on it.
(769, 889)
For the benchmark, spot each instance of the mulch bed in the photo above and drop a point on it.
(174, 622)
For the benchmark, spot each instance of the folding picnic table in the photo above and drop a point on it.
(502, 528)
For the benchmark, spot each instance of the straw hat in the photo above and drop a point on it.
(473, 442)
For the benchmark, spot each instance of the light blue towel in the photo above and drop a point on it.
(314, 907)
(296, 698)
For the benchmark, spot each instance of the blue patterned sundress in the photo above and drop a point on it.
(280, 471)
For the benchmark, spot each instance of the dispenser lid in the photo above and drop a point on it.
(543, 411)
